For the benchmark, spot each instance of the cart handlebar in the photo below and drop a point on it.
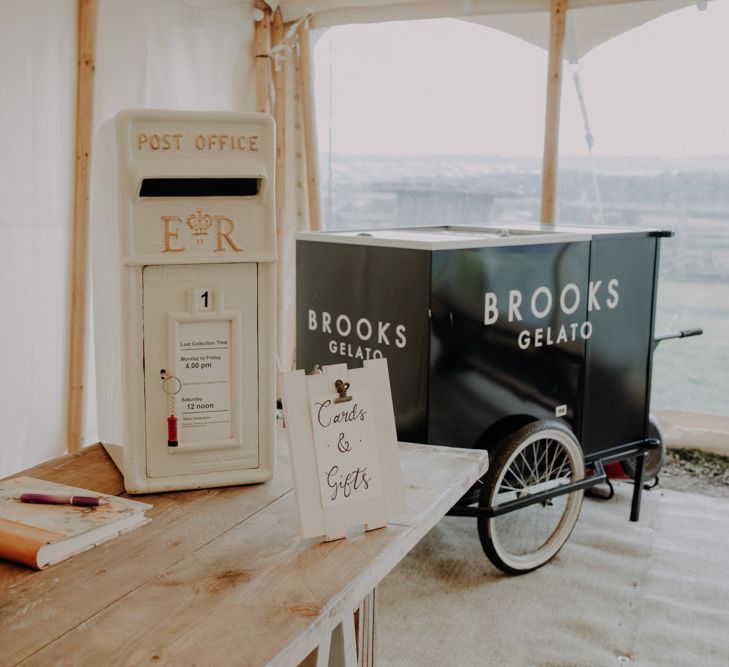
(684, 333)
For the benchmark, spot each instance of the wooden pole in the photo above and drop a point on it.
(311, 144)
(263, 62)
(86, 40)
(551, 121)
(279, 114)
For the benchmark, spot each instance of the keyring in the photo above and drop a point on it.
(166, 388)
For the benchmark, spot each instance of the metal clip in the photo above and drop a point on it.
(342, 388)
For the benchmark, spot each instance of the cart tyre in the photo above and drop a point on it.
(538, 456)
(654, 459)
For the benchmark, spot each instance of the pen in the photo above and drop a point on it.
(48, 499)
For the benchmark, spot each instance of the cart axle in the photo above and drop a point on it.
(636, 449)
(525, 501)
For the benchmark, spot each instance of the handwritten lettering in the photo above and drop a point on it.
(343, 445)
(345, 416)
(345, 442)
(347, 483)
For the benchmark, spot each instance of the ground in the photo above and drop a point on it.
(696, 471)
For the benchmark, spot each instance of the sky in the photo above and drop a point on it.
(448, 86)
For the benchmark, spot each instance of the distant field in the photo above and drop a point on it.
(693, 374)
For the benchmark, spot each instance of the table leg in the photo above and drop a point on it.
(366, 632)
(348, 645)
(343, 652)
(319, 657)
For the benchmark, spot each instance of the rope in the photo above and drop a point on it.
(282, 51)
(589, 138)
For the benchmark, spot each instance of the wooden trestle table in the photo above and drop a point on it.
(219, 576)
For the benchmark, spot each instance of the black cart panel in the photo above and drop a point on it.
(502, 345)
(355, 302)
(617, 382)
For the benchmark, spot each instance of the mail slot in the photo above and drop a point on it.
(183, 240)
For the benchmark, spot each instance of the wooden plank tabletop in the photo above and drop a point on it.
(220, 576)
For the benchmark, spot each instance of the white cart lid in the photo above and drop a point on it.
(450, 237)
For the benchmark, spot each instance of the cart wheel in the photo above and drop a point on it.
(540, 456)
(653, 459)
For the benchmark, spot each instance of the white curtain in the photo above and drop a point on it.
(37, 111)
(173, 54)
(292, 206)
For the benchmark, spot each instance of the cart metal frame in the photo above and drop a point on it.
(637, 450)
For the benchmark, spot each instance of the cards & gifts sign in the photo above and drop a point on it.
(343, 445)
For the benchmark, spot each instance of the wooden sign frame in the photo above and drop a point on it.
(315, 519)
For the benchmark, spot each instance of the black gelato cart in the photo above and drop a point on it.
(533, 342)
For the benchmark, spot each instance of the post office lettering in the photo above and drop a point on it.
(208, 142)
(226, 142)
(159, 142)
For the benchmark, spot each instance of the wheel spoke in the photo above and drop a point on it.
(537, 456)
(532, 475)
(555, 455)
(507, 487)
(518, 472)
(515, 473)
(565, 460)
(538, 463)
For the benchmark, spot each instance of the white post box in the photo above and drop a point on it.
(184, 297)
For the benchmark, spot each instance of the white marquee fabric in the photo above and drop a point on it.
(587, 26)
(593, 21)
(175, 54)
(37, 75)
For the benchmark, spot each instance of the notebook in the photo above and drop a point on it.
(39, 535)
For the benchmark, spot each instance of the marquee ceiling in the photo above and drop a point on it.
(590, 22)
